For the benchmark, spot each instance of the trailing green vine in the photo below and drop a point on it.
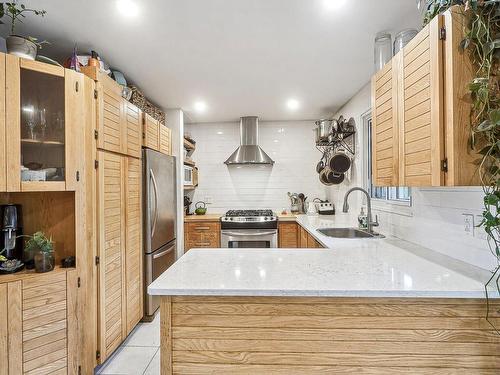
(482, 41)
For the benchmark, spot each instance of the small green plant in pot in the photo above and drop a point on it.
(26, 47)
(43, 251)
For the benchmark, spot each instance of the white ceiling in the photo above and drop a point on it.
(241, 57)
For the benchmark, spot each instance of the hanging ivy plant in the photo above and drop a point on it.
(482, 42)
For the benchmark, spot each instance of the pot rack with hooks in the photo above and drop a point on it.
(340, 137)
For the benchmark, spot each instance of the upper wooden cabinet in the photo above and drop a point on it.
(151, 136)
(420, 124)
(156, 136)
(119, 125)
(44, 112)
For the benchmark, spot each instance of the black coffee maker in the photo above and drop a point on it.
(11, 228)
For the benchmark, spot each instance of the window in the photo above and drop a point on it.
(389, 194)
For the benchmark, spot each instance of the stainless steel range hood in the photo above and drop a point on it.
(249, 152)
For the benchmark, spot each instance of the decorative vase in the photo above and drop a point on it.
(44, 262)
(22, 47)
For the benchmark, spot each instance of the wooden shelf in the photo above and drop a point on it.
(37, 142)
(189, 162)
(189, 187)
(188, 145)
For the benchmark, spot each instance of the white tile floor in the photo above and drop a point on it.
(139, 354)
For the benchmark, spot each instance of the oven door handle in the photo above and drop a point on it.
(234, 234)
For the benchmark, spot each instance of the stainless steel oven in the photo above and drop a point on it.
(249, 238)
(248, 229)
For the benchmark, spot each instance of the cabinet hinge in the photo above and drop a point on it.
(444, 165)
(77, 176)
(79, 282)
(97, 260)
(95, 94)
(442, 33)
(96, 134)
(76, 86)
(97, 355)
(96, 164)
(143, 135)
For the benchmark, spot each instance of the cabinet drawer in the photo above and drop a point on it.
(203, 227)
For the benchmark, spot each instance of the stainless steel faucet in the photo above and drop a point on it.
(370, 223)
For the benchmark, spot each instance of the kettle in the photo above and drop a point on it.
(201, 208)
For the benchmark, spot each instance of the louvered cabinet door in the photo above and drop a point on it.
(133, 248)
(134, 130)
(111, 122)
(385, 130)
(421, 109)
(151, 133)
(165, 140)
(111, 212)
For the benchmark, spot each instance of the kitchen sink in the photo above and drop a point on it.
(348, 233)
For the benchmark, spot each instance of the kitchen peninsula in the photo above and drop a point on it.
(379, 305)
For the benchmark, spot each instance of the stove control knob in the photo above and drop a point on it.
(231, 219)
(266, 218)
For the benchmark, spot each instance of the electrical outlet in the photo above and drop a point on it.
(479, 231)
(469, 224)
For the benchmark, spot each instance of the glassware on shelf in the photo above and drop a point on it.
(403, 38)
(43, 123)
(30, 122)
(383, 50)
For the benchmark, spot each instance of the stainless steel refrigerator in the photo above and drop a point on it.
(159, 209)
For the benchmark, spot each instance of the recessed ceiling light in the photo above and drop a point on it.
(200, 106)
(220, 133)
(333, 4)
(127, 8)
(292, 104)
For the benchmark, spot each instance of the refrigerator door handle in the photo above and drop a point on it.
(163, 253)
(155, 188)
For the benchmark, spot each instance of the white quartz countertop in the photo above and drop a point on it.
(347, 268)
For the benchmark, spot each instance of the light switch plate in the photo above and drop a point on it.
(468, 224)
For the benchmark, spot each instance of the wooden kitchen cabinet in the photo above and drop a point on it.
(44, 116)
(151, 135)
(165, 140)
(119, 249)
(288, 235)
(420, 122)
(3, 134)
(38, 330)
(201, 234)
(119, 122)
(133, 243)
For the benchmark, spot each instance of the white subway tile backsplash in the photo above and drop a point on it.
(245, 187)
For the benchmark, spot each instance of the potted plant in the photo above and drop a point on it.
(42, 249)
(26, 47)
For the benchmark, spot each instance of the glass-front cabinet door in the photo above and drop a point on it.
(39, 129)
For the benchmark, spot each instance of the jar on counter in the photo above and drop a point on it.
(403, 38)
(383, 50)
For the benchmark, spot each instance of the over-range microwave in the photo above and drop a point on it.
(188, 175)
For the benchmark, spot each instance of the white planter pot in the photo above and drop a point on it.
(22, 47)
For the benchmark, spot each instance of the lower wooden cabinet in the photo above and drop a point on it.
(119, 249)
(288, 235)
(201, 234)
(293, 235)
(38, 324)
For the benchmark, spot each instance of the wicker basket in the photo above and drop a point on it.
(145, 105)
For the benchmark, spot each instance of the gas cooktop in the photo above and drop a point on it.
(248, 213)
(249, 216)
